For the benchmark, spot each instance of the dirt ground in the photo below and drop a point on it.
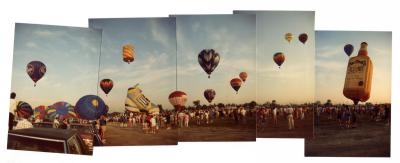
(368, 139)
(220, 130)
(118, 136)
(303, 128)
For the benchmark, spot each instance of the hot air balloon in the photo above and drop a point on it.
(358, 81)
(178, 99)
(136, 101)
(208, 60)
(236, 83)
(209, 94)
(36, 70)
(106, 85)
(90, 107)
(24, 110)
(303, 38)
(60, 110)
(128, 53)
(40, 112)
(348, 49)
(288, 37)
(279, 58)
(243, 76)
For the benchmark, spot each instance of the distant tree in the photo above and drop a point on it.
(196, 103)
(252, 104)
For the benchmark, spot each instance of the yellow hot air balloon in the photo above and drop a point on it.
(288, 37)
(128, 53)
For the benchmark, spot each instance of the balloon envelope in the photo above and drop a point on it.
(243, 76)
(90, 107)
(128, 53)
(106, 85)
(24, 110)
(208, 60)
(236, 83)
(60, 110)
(36, 70)
(40, 112)
(303, 38)
(279, 58)
(209, 94)
(288, 37)
(348, 49)
(177, 99)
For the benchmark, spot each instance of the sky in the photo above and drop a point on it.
(154, 67)
(332, 63)
(234, 38)
(294, 82)
(71, 56)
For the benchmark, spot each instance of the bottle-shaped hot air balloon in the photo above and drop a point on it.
(128, 53)
(357, 85)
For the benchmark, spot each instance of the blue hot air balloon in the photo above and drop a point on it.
(90, 107)
(208, 60)
(348, 49)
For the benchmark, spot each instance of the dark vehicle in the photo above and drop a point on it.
(43, 125)
(89, 134)
(47, 140)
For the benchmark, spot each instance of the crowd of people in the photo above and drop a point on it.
(348, 116)
(185, 118)
(269, 116)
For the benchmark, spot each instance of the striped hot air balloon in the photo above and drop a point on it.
(236, 83)
(128, 53)
(60, 110)
(178, 99)
(40, 112)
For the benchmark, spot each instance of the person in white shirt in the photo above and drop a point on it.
(56, 123)
(23, 123)
(275, 118)
(290, 119)
(13, 107)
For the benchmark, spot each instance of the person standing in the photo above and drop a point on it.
(13, 107)
(290, 119)
(103, 127)
(274, 116)
(23, 122)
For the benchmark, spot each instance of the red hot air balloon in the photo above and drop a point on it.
(236, 83)
(303, 38)
(106, 85)
(243, 76)
(178, 99)
(209, 94)
(279, 58)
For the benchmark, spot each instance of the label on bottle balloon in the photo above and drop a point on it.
(356, 73)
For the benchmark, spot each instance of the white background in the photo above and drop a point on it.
(330, 15)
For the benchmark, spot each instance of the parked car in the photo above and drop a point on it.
(47, 140)
(89, 134)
